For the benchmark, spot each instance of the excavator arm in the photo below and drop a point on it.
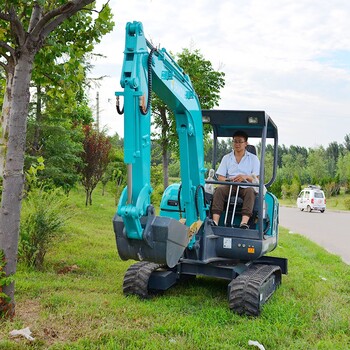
(146, 70)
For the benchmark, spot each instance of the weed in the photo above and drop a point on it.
(4, 281)
(347, 203)
(44, 215)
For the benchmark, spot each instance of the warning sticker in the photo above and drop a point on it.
(227, 243)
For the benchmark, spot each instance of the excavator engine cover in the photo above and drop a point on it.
(164, 240)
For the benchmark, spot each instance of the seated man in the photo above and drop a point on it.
(237, 166)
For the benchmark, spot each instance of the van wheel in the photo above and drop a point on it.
(322, 211)
(301, 209)
(308, 209)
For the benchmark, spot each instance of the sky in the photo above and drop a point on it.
(289, 58)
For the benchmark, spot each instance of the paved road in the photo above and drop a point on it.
(330, 230)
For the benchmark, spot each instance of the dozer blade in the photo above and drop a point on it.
(164, 240)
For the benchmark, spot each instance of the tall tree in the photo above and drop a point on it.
(25, 28)
(59, 73)
(333, 151)
(343, 170)
(207, 83)
(317, 165)
(294, 166)
(347, 141)
(95, 159)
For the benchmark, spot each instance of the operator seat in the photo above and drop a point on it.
(251, 149)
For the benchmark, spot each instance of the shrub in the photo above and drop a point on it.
(331, 189)
(347, 203)
(4, 281)
(294, 188)
(174, 169)
(157, 195)
(44, 215)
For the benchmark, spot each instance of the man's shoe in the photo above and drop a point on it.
(244, 226)
(213, 223)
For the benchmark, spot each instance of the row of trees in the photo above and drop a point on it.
(298, 166)
(328, 167)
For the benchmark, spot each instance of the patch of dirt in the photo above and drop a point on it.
(67, 269)
(28, 312)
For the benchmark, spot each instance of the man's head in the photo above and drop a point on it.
(240, 138)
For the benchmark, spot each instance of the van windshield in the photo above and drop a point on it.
(318, 195)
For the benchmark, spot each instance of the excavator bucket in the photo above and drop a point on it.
(164, 240)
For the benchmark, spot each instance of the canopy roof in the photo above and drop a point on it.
(226, 122)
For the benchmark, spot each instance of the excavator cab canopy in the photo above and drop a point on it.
(257, 124)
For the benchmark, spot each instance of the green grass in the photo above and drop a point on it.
(84, 308)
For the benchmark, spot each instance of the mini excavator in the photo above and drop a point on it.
(181, 242)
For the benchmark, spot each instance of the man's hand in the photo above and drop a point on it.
(241, 178)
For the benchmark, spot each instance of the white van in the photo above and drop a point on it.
(312, 198)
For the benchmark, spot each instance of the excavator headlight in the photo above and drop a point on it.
(253, 120)
(205, 119)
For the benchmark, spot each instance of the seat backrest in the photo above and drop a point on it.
(251, 149)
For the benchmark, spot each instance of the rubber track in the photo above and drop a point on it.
(244, 291)
(136, 278)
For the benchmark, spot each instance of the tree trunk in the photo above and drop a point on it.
(165, 167)
(90, 197)
(86, 197)
(103, 188)
(38, 120)
(5, 115)
(164, 143)
(13, 178)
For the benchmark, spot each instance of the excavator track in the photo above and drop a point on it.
(250, 291)
(136, 279)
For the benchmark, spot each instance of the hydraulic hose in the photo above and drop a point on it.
(196, 198)
(119, 111)
(149, 73)
(179, 199)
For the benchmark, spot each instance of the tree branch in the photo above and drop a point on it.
(5, 16)
(103, 7)
(4, 66)
(54, 18)
(35, 17)
(8, 48)
(48, 18)
(17, 26)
